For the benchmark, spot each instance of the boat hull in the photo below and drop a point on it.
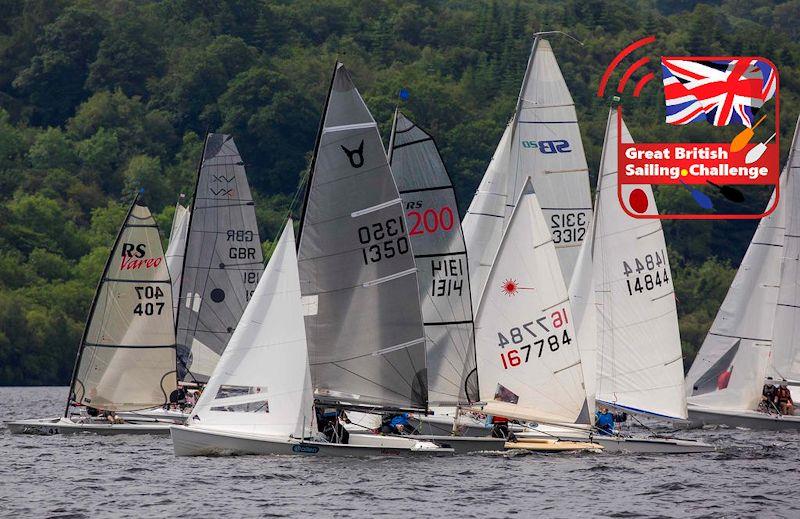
(443, 426)
(193, 441)
(632, 444)
(749, 419)
(48, 427)
(551, 445)
(459, 444)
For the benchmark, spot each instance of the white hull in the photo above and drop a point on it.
(443, 426)
(699, 416)
(51, 426)
(194, 441)
(459, 444)
(157, 413)
(630, 444)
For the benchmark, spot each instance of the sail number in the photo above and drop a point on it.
(568, 227)
(647, 273)
(448, 277)
(382, 240)
(149, 303)
(430, 221)
(533, 336)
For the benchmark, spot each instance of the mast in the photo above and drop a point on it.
(313, 164)
(94, 304)
(178, 359)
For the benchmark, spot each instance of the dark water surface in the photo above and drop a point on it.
(755, 474)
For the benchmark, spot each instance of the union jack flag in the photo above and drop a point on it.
(721, 92)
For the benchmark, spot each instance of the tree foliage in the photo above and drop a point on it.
(99, 99)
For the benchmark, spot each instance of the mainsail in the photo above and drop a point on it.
(542, 141)
(175, 251)
(441, 257)
(357, 275)
(126, 360)
(528, 357)
(639, 364)
(222, 262)
(262, 383)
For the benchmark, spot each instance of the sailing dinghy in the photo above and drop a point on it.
(542, 141)
(528, 358)
(624, 308)
(176, 249)
(753, 340)
(434, 229)
(126, 358)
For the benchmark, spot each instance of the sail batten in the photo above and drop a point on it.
(357, 273)
(431, 210)
(126, 360)
(222, 262)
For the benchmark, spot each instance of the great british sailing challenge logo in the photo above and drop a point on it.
(738, 95)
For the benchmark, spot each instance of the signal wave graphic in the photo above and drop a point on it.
(626, 76)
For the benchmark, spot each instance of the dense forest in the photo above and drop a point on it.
(99, 98)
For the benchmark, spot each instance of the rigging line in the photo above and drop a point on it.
(388, 389)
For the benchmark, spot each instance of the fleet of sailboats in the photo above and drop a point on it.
(543, 307)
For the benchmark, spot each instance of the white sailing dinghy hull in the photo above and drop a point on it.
(443, 426)
(196, 441)
(61, 425)
(699, 416)
(631, 444)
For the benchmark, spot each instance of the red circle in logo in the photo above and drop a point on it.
(638, 200)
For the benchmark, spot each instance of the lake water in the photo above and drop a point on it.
(754, 474)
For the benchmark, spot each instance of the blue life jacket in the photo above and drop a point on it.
(604, 421)
(401, 419)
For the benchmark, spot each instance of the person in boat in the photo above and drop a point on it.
(784, 398)
(769, 402)
(500, 427)
(604, 421)
(398, 424)
(330, 422)
(177, 399)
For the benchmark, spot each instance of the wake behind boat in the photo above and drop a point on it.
(126, 358)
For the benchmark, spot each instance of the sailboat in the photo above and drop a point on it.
(222, 260)
(753, 340)
(624, 308)
(542, 141)
(353, 300)
(126, 357)
(528, 359)
(440, 254)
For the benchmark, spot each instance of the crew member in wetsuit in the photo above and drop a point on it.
(398, 424)
(500, 427)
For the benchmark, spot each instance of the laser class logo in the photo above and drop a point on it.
(738, 96)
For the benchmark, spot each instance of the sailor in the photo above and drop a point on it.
(768, 401)
(399, 424)
(329, 423)
(604, 421)
(500, 427)
(785, 403)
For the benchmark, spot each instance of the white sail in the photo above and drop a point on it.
(584, 312)
(262, 382)
(542, 141)
(176, 250)
(786, 346)
(528, 358)
(740, 337)
(639, 364)
(126, 360)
